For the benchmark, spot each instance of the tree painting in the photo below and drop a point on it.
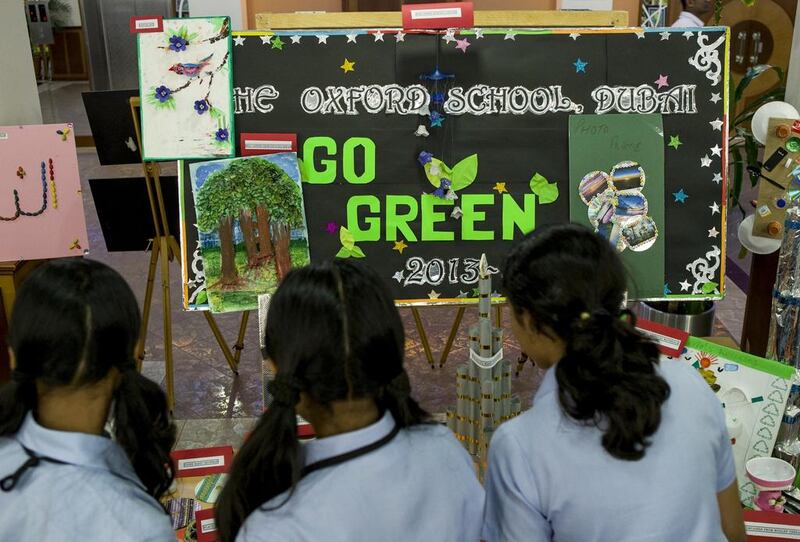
(252, 212)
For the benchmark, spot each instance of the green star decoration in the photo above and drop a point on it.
(277, 43)
(476, 292)
(674, 142)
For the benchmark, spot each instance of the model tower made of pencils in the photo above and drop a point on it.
(483, 384)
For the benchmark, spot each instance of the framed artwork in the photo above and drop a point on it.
(251, 227)
(185, 83)
(41, 203)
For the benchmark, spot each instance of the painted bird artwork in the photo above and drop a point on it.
(191, 70)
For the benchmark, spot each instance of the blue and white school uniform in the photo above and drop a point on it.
(420, 485)
(86, 491)
(551, 479)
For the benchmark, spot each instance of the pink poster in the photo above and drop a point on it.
(41, 206)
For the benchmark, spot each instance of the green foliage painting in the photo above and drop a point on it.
(252, 226)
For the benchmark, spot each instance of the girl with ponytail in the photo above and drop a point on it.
(73, 332)
(378, 470)
(617, 445)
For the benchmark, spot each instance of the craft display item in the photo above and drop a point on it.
(771, 476)
(209, 488)
(754, 393)
(783, 131)
(793, 144)
(35, 223)
(777, 157)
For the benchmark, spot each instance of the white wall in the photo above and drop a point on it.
(211, 8)
(19, 97)
(793, 77)
(74, 18)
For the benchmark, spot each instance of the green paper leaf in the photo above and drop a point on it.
(347, 239)
(444, 171)
(709, 287)
(464, 172)
(357, 252)
(546, 191)
(215, 113)
(202, 298)
(343, 253)
(302, 167)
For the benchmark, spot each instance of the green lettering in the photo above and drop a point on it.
(348, 164)
(524, 219)
(430, 217)
(471, 216)
(373, 223)
(396, 221)
(328, 173)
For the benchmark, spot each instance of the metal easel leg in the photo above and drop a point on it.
(452, 336)
(167, 310)
(423, 336)
(239, 346)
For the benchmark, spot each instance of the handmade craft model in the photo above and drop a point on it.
(185, 89)
(754, 393)
(483, 384)
(251, 226)
(41, 204)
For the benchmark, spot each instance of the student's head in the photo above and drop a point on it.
(566, 286)
(700, 8)
(334, 336)
(74, 328)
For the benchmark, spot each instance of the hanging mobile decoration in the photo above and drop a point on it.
(53, 184)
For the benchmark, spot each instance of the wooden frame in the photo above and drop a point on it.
(393, 19)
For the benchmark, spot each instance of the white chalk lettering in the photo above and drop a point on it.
(488, 100)
(372, 99)
(644, 99)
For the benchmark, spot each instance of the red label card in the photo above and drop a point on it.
(437, 16)
(202, 461)
(669, 340)
(771, 526)
(206, 525)
(139, 25)
(252, 144)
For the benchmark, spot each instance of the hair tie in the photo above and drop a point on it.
(284, 391)
(585, 316)
(631, 316)
(400, 386)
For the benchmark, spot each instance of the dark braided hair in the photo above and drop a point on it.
(334, 333)
(572, 283)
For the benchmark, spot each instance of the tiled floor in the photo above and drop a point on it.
(61, 102)
(213, 406)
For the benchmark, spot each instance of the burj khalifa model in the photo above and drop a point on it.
(483, 384)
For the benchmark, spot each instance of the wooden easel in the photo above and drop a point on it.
(483, 19)
(164, 248)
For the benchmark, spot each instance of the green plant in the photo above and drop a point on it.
(743, 147)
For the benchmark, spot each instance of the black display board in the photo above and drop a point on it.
(304, 85)
(109, 114)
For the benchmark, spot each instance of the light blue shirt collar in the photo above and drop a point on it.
(549, 383)
(325, 448)
(79, 449)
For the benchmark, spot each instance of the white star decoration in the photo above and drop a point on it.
(705, 161)
(449, 35)
(685, 285)
(351, 38)
(717, 178)
(510, 35)
(323, 38)
(714, 208)
(378, 36)
(716, 124)
(295, 38)
(664, 35)
(433, 294)
(716, 150)
(713, 232)
(238, 40)
(574, 36)
(687, 35)
(462, 294)
(398, 276)
(640, 34)
(715, 97)
(400, 36)
(265, 39)
(478, 33)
